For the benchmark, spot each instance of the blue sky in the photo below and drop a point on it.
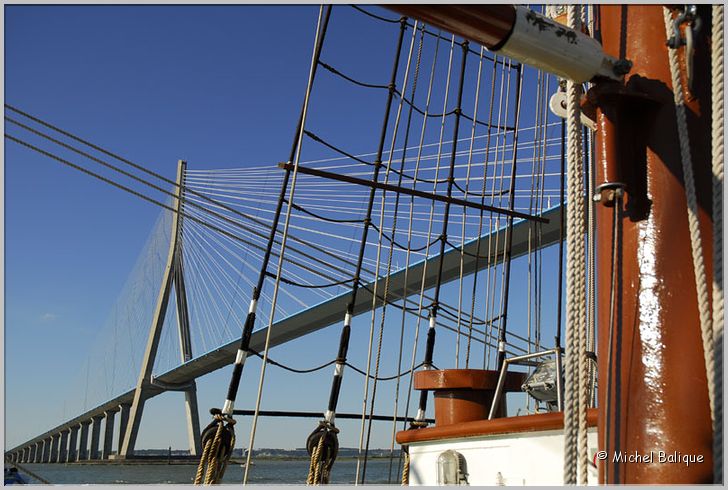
(220, 87)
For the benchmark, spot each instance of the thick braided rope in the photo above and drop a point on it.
(405, 469)
(575, 285)
(313, 469)
(212, 456)
(576, 386)
(701, 282)
(718, 155)
(203, 462)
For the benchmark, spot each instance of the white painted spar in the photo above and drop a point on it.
(539, 41)
(524, 458)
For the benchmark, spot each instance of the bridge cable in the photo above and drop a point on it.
(137, 166)
(202, 221)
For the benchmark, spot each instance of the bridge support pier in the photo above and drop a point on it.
(173, 275)
(123, 420)
(24, 455)
(93, 452)
(55, 440)
(193, 421)
(63, 449)
(72, 444)
(38, 453)
(83, 442)
(46, 451)
(108, 433)
(33, 449)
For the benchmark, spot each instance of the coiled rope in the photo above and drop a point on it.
(576, 396)
(701, 282)
(718, 155)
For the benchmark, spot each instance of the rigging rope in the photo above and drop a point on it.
(388, 269)
(318, 44)
(322, 443)
(430, 346)
(576, 381)
(701, 281)
(418, 160)
(718, 162)
(502, 326)
(212, 461)
(462, 237)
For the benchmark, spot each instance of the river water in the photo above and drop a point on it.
(271, 471)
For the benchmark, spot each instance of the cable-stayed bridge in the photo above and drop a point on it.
(89, 435)
(442, 211)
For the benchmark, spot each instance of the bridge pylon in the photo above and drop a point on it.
(173, 277)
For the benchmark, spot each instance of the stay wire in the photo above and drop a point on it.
(480, 220)
(129, 190)
(345, 333)
(509, 231)
(250, 319)
(395, 133)
(421, 299)
(295, 158)
(116, 157)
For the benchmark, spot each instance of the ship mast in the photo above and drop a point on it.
(653, 392)
(655, 388)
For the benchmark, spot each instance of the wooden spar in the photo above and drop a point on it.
(657, 381)
(411, 192)
(488, 25)
(524, 35)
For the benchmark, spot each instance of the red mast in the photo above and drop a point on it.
(655, 389)
(653, 397)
